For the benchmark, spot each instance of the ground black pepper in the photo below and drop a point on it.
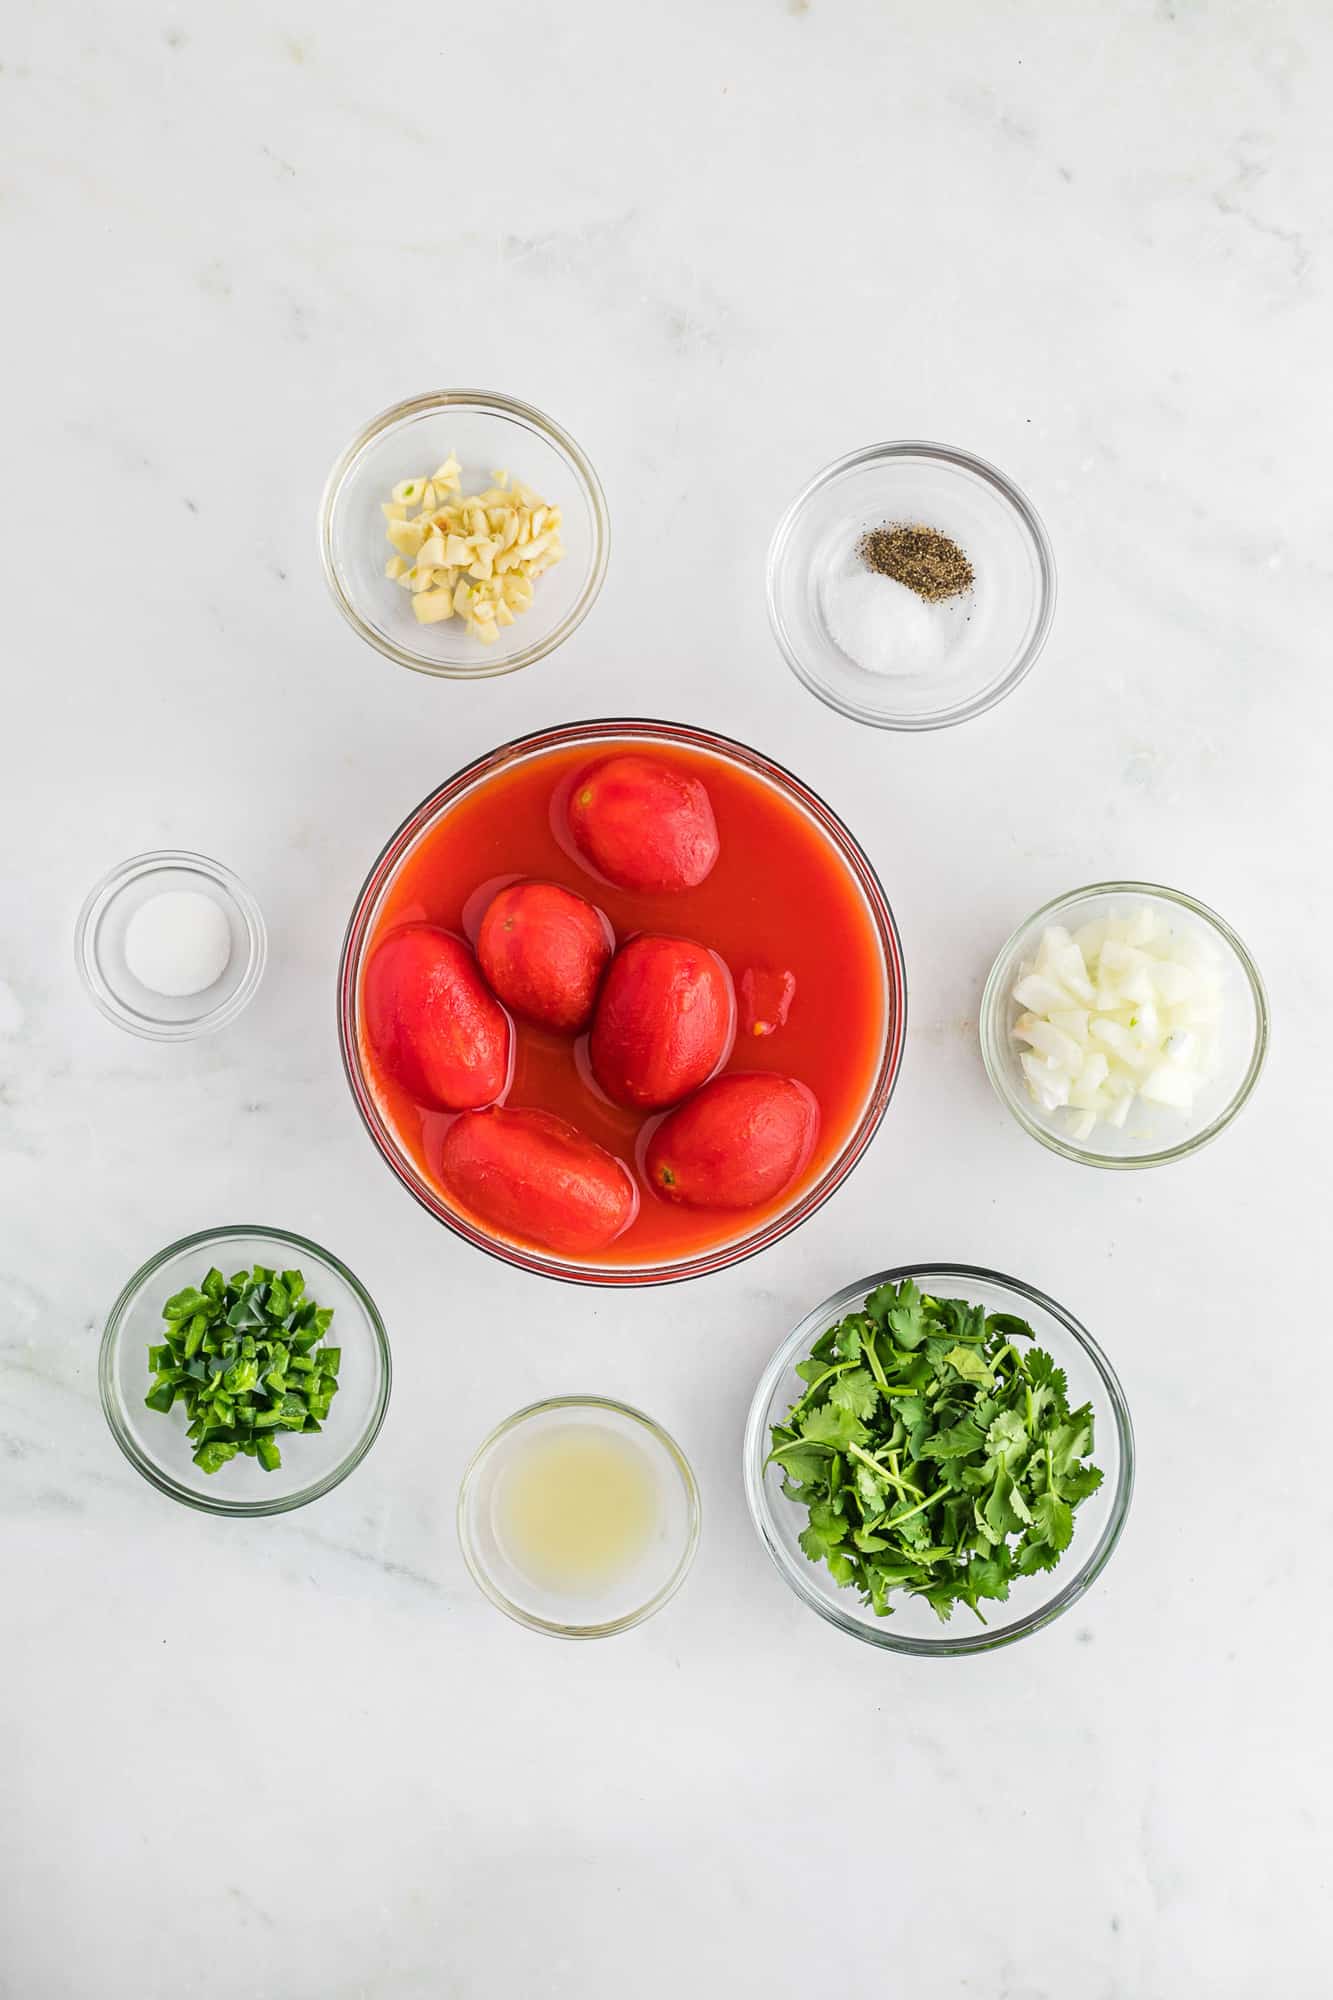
(921, 558)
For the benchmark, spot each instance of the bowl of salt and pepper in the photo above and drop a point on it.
(910, 586)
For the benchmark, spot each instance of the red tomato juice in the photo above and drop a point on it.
(779, 898)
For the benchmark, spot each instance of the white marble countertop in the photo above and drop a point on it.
(302, 1758)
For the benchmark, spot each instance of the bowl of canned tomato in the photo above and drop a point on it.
(586, 1005)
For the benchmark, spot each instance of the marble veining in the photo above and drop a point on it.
(302, 1759)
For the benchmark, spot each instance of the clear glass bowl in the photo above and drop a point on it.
(1033, 1601)
(155, 1443)
(994, 634)
(649, 1582)
(99, 947)
(1154, 1134)
(359, 930)
(488, 433)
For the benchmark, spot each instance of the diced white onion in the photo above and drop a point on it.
(1123, 1010)
(1042, 995)
(1072, 1021)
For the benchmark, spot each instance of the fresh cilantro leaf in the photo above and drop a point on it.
(872, 1493)
(794, 1490)
(868, 1542)
(907, 1319)
(960, 1440)
(848, 1338)
(970, 1365)
(1035, 1556)
(813, 1545)
(910, 1528)
(1007, 1438)
(1076, 1486)
(802, 1462)
(1001, 1517)
(989, 1575)
(941, 1597)
(962, 1321)
(1053, 1520)
(1042, 1371)
(825, 1522)
(855, 1391)
(830, 1425)
(1070, 1442)
(897, 1572)
(1047, 1389)
(880, 1303)
(1008, 1326)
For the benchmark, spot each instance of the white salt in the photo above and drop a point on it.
(882, 626)
(178, 943)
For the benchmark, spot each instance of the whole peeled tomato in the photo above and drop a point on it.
(536, 1177)
(665, 1020)
(544, 950)
(643, 823)
(432, 1022)
(740, 1140)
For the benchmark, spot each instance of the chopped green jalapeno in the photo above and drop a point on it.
(243, 1355)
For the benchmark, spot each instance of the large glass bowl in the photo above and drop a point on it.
(593, 734)
(155, 1442)
(488, 433)
(1154, 1134)
(1033, 1601)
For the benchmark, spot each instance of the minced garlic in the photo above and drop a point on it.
(473, 556)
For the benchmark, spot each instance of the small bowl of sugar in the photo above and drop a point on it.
(170, 945)
(910, 586)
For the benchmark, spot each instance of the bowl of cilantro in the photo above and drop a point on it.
(939, 1459)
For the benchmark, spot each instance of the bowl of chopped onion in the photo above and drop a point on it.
(463, 534)
(1124, 1025)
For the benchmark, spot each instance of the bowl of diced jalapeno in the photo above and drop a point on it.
(244, 1371)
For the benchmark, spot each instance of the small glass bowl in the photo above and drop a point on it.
(99, 947)
(994, 633)
(749, 1238)
(1033, 1601)
(488, 433)
(1153, 1134)
(155, 1443)
(589, 1614)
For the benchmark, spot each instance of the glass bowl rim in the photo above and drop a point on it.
(135, 868)
(554, 1628)
(488, 401)
(110, 1400)
(609, 728)
(949, 1644)
(990, 475)
(990, 1032)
